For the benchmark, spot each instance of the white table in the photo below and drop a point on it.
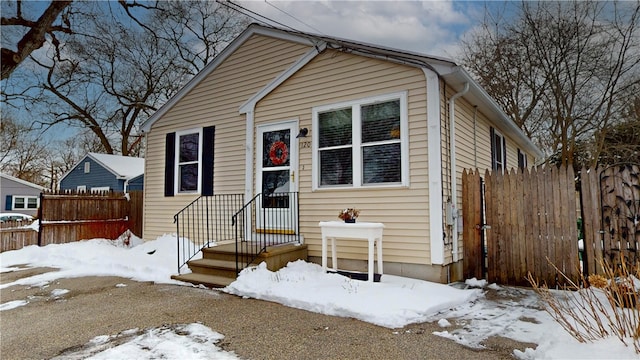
(370, 231)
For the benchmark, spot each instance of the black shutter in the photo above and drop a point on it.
(492, 135)
(169, 164)
(208, 135)
(7, 205)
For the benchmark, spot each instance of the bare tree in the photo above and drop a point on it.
(561, 70)
(23, 153)
(34, 37)
(620, 143)
(198, 29)
(123, 61)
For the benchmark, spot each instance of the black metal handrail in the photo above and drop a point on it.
(266, 220)
(203, 222)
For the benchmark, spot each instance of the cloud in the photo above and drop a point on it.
(430, 27)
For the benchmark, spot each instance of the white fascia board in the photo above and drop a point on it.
(434, 143)
(478, 96)
(253, 29)
(249, 105)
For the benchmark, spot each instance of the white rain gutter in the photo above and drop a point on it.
(452, 154)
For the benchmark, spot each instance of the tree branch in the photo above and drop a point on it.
(33, 39)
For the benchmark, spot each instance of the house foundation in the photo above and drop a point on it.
(434, 273)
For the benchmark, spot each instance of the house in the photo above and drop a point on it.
(19, 196)
(340, 124)
(105, 172)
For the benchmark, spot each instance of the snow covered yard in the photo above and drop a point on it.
(466, 313)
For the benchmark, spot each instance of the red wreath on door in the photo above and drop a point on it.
(278, 153)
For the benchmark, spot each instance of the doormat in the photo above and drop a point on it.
(356, 275)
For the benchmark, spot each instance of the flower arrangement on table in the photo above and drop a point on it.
(349, 215)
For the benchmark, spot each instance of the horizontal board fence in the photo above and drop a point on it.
(71, 216)
(526, 221)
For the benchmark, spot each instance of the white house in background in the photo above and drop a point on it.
(105, 172)
(19, 196)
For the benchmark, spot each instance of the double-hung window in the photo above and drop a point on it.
(361, 143)
(188, 161)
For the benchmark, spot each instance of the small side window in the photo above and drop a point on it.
(87, 167)
(498, 151)
(522, 160)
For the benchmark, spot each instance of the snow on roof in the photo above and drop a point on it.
(122, 166)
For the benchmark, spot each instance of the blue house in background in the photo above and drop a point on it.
(104, 172)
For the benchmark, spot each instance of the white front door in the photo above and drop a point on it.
(276, 177)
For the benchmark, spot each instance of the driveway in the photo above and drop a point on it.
(52, 325)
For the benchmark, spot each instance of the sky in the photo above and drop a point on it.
(430, 27)
(393, 303)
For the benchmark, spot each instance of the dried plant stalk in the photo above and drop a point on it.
(589, 313)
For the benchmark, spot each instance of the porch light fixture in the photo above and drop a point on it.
(303, 133)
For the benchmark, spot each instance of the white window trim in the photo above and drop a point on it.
(356, 145)
(99, 189)
(26, 202)
(81, 188)
(176, 174)
(503, 145)
(87, 167)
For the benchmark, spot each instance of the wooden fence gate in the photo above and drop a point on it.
(524, 221)
(614, 230)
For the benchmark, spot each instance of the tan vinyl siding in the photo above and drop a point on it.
(335, 77)
(473, 147)
(214, 101)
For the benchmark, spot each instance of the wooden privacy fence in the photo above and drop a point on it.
(523, 221)
(611, 203)
(68, 217)
(15, 235)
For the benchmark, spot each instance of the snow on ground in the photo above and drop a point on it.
(466, 313)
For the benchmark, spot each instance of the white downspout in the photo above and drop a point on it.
(434, 143)
(248, 168)
(248, 160)
(452, 154)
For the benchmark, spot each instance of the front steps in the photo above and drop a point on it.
(217, 268)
